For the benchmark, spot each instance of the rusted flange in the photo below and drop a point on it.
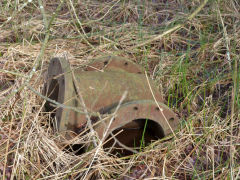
(101, 85)
(114, 63)
(59, 87)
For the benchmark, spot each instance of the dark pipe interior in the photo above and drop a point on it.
(133, 137)
(52, 93)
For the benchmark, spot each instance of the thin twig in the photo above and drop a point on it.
(105, 133)
(19, 139)
(176, 27)
(7, 147)
(78, 20)
(234, 88)
(227, 41)
(234, 93)
(15, 13)
(57, 103)
(97, 20)
(123, 145)
(161, 110)
(83, 36)
(43, 14)
(13, 73)
(89, 123)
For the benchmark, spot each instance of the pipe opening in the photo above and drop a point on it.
(76, 149)
(52, 93)
(135, 136)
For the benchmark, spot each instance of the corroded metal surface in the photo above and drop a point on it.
(102, 91)
(101, 85)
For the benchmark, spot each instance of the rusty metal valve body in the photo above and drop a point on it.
(101, 85)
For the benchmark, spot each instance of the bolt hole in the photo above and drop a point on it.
(105, 63)
(157, 109)
(94, 119)
(126, 63)
(135, 108)
(171, 119)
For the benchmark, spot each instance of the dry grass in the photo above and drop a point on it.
(196, 67)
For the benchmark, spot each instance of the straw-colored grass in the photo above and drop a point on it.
(191, 50)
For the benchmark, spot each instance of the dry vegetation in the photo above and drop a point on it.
(193, 58)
